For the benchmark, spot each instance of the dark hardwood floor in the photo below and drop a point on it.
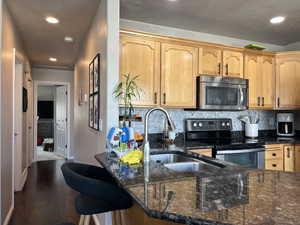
(46, 199)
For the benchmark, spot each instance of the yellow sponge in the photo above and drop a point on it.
(133, 157)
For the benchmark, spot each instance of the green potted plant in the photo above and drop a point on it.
(126, 91)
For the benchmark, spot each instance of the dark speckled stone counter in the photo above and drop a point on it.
(231, 195)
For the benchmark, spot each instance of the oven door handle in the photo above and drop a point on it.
(227, 152)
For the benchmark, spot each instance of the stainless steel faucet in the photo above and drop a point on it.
(146, 141)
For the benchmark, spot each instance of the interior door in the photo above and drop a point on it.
(30, 147)
(61, 120)
(18, 126)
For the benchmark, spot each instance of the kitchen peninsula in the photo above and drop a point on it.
(228, 194)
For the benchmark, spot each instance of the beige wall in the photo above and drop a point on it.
(57, 75)
(10, 39)
(102, 38)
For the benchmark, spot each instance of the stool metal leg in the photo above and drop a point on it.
(96, 220)
(81, 221)
(87, 220)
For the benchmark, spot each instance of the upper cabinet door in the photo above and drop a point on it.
(268, 82)
(253, 74)
(210, 61)
(179, 70)
(142, 57)
(233, 63)
(287, 82)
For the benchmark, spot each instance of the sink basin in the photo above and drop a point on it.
(190, 166)
(170, 158)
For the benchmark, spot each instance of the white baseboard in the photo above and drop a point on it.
(8, 216)
(22, 180)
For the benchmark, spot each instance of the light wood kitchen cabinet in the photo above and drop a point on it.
(141, 57)
(260, 73)
(252, 73)
(297, 158)
(287, 80)
(233, 63)
(179, 66)
(289, 158)
(206, 152)
(268, 82)
(210, 61)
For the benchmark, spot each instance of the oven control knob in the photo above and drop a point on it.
(228, 124)
(223, 124)
(200, 124)
(194, 124)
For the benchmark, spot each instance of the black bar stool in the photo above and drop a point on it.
(99, 193)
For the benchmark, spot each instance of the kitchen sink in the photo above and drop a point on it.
(190, 166)
(170, 158)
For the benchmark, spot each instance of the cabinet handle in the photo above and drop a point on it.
(227, 69)
(164, 96)
(288, 153)
(164, 190)
(263, 101)
(258, 101)
(154, 191)
(274, 154)
(155, 97)
(274, 165)
(219, 68)
(278, 102)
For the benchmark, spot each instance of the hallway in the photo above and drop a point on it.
(46, 199)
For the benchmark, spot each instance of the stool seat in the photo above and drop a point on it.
(86, 205)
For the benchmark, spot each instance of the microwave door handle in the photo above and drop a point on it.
(242, 96)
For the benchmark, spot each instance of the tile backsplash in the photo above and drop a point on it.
(156, 124)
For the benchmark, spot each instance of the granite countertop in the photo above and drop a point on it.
(231, 195)
(237, 138)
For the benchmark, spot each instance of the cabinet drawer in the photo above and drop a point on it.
(274, 154)
(274, 164)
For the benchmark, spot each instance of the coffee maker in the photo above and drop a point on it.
(285, 124)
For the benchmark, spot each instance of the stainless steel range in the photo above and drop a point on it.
(217, 133)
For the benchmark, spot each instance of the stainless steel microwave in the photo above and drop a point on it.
(221, 93)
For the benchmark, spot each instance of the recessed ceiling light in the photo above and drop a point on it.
(52, 20)
(277, 19)
(69, 39)
(53, 59)
(172, 0)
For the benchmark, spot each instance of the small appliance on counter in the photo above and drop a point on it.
(285, 124)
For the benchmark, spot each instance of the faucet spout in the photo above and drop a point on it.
(146, 144)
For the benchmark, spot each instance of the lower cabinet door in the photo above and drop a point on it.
(289, 158)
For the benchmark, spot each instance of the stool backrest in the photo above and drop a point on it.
(82, 178)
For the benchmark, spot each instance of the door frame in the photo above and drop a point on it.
(37, 83)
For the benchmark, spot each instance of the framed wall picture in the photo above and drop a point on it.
(94, 93)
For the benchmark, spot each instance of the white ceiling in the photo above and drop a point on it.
(244, 19)
(43, 40)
